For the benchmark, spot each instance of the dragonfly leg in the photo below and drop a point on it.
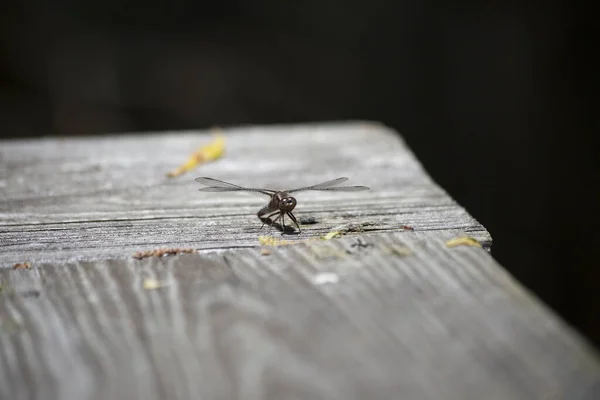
(268, 218)
(275, 220)
(289, 213)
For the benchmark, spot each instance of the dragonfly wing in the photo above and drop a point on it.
(331, 185)
(211, 182)
(215, 185)
(345, 188)
(321, 186)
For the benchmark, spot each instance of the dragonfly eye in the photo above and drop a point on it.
(288, 203)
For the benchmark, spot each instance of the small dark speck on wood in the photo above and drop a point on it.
(308, 220)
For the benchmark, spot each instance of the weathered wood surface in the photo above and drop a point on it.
(404, 317)
(400, 316)
(91, 199)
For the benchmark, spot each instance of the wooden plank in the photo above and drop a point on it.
(401, 316)
(397, 315)
(107, 197)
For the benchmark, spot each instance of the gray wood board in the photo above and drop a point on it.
(314, 320)
(107, 197)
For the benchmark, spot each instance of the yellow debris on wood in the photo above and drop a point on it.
(401, 251)
(152, 284)
(323, 253)
(332, 235)
(271, 241)
(463, 241)
(204, 154)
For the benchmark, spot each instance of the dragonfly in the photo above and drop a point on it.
(281, 202)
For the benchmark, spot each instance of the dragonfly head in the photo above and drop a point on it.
(287, 204)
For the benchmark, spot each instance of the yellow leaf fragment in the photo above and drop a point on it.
(271, 241)
(332, 235)
(204, 154)
(151, 284)
(463, 241)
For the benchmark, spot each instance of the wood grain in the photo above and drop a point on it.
(387, 313)
(105, 198)
(406, 317)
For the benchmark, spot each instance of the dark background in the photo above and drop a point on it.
(495, 98)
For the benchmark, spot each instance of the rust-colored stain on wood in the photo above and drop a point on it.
(22, 265)
(162, 252)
